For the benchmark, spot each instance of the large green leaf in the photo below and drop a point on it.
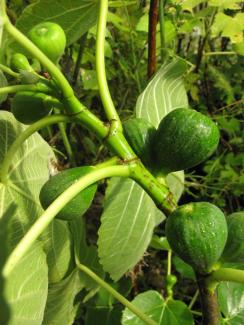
(164, 93)
(61, 307)
(58, 246)
(75, 16)
(28, 171)
(231, 300)
(128, 221)
(26, 288)
(163, 312)
(61, 304)
(4, 222)
(229, 26)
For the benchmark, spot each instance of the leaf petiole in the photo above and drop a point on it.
(115, 294)
(101, 71)
(9, 71)
(38, 87)
(226, 274)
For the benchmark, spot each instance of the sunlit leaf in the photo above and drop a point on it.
(170, 312)
(231, 300)
(225, 4)
(26, 288)
(228, 26)
(4, 222)
(28, 170)
(128, 221)
(189, 4)
(164, 93)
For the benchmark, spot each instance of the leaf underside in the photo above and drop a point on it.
(25, 288)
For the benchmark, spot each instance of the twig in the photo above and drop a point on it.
(219, 53)
(193, 300)
(79, 57)
(9, 71)
(230, 105)
(202, 42)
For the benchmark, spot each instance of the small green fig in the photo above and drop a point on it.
(50, 38)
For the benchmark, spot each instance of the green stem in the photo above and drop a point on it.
(197, 313)
(49, 132)
(114, 139)
(54, 103)
(39, 87)
(160, 193)
(79, 58)
(9, 71)
(193, 300)
(219, 53)
(44, 60)
(116, 294)
(84, 116)
(49, 214)
(100, 67)
(8, 159)
(68, 148)
(118, 144)
(227, 274)
(169, 262)
(109, 162)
